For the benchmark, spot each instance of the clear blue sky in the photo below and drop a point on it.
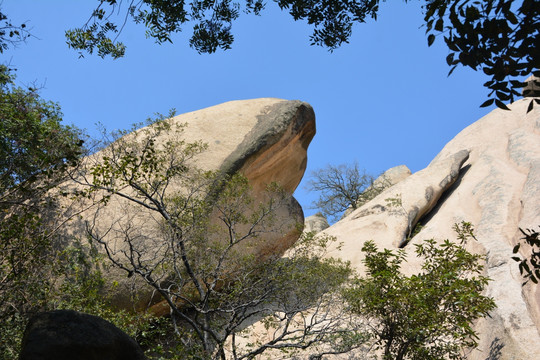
(384, 99)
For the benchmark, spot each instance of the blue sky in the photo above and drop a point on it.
(383, 100)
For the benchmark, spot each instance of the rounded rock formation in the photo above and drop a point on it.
(68, 335)
(532, 89)
(315, 223)
(265, 139)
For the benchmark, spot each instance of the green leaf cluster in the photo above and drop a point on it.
(529, 267)
(499, 37)
(211, 22)
(35, 152)
(428, 315)
(332, 20)
(33, 142)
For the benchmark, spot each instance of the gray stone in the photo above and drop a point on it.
(532, 89)
(315, 223)
(69, 335)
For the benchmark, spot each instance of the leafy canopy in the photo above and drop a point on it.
(35, 151)
(33, 141)
(211, 22)
(499, 37)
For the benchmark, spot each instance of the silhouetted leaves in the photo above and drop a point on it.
(430, 39)
(487, 102)
(11, 34)
(529, 268)
(500, 37)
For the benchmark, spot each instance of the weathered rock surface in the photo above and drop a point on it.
(264, 139)
(488, 175)
(533, 87)
(68, 335)
(392, 176)
(388, 178)
(315, 223)
(389, 218)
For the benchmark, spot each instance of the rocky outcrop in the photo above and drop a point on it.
(392, 176)
(68, 335)
(264, 139)
(488, 175)
(315, 223)
(532, 89)
(390, 217)
(388, 178)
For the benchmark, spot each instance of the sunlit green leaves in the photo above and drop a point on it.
(95, 36)
(424, 316)
(35, 152)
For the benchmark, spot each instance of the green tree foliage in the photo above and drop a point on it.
(499, 37)
(211, 21)
(33, 141)
(342, 187)
(204, 255)
(424, 316)
(36, 275)
(35, 150)
(529, 267)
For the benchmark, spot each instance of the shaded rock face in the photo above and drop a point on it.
(315, 223)
(264, 139)
(488, 175)
(68, 335)
(533, 87)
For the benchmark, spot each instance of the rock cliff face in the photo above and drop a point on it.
(488, 175)
(264, 139)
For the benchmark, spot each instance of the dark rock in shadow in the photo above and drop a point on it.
(69, 335)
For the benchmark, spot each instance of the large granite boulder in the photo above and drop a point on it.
(68, 335)
(264, 139)
(488, 175)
